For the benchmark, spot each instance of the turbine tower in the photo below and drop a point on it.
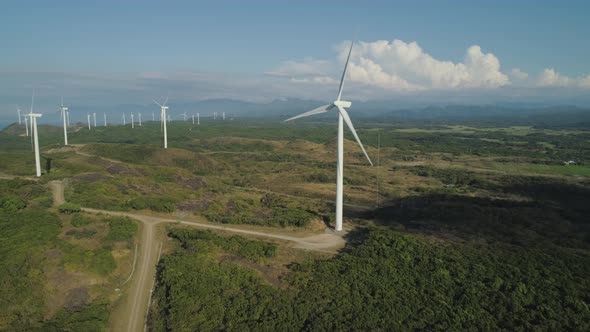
(341, 106)
(132, 124)
(184, 116)
(163, 109)
(18, 111)
(33, 119)
(105, 118)
(63, 115)
(193, 119)
(88, 118)
(94, 116)
(139, 118)
(124, 122)
(26, 126)
(198, 119)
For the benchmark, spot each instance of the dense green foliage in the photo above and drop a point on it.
(69, 208)
(91, 318)
(388, 281)
(196, 240)
(121, 228)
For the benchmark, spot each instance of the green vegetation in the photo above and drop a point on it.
(69, 208)
(121, 228)
(388, 281)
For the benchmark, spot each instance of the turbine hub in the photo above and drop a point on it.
(342, 103)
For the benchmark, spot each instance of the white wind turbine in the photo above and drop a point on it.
(198, 119)
(139, 118)
(124, 120)
(105, 118)
(94, 116)
(63, 116)
(88, 117)
(132, 124)
(163, 109)
(341, 106)
(18, 111)
(35, 137)
(193, 119)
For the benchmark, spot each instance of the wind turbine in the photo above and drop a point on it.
(214, 115)
(63, 115)
(26, 126)
(124, 122)
(88, 117)
(139, 118)
(94, 116)
(341, 106)
(193, 119)
(33, 118)
(184, 116)
(105, 118)
(163, 109)
(132, 124)
(18, 111)
(198, 119)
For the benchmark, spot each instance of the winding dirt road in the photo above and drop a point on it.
(131, 316)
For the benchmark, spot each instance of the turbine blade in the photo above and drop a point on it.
(344, 72)
(351, 127)
(157, 103)
(165, 101)
(319, 110)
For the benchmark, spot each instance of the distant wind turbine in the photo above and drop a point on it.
(26, 126)
(184, 116)
(94, 116)
(88, 117)
(132, 124)
(198, 119)
(33, 118)
(124, 120)
(105, 118)
(341, 106)
(193, 119)
(63, 116)
(18, 111)
(139, 118)
(163, 109)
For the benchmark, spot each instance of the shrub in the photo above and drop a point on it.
(12, 204)
(68, 208)
(121, 229)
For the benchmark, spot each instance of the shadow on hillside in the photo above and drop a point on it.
(551, 212)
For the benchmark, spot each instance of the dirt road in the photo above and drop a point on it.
(132, 315)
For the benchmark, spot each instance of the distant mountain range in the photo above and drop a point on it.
(371, 110)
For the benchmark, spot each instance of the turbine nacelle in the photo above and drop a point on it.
(342, 103)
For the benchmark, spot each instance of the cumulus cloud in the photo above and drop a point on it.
(551, 78)
(518, 74)
(400, 65)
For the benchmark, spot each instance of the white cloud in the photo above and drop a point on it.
(400, 65)
(518, 74)
(551, 78)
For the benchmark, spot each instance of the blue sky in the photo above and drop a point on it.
(127, 51)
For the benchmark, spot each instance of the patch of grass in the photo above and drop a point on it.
(121, 229)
